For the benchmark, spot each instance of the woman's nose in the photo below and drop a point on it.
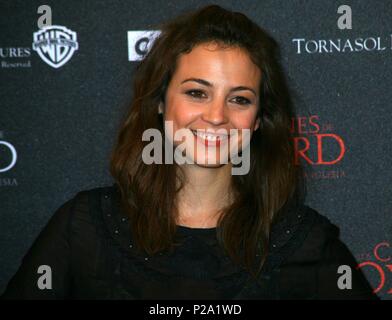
(215, 113)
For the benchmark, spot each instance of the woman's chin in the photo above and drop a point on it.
(209, 163)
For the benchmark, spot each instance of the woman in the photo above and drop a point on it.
(194, 229)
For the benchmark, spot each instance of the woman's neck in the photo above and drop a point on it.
(206, 191)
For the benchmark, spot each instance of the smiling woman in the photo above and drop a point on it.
(198, 146)
(227, 84)
(195, 230)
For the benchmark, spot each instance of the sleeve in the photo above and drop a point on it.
(45, 269)
(347, 283)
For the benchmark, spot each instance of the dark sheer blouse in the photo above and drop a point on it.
(88, 245)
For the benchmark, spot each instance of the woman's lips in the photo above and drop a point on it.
(210, 138)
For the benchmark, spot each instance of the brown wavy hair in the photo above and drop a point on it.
(273, 184)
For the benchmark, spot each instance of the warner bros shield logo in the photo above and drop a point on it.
(55, 45)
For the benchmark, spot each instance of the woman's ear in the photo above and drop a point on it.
(160, 108)
(257, 124)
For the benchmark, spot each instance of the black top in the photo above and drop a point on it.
(88, 245)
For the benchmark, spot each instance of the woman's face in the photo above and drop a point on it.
(212, 92)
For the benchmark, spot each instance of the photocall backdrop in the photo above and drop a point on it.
(62, 101)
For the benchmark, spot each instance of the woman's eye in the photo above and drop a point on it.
(199, 94)
(194, 93)
(242, 100)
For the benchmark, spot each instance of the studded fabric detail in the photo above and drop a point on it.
(286, 227)
(282, 246)
(118, 227)
(287, 233)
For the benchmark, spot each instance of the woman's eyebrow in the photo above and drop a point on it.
(208, 84)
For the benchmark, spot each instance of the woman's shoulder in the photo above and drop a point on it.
(90, 200)
(83, 195)
(300, 223)
(316, 241)
(309, 255)
(320, 224)
(305, 234)
(82, 211)
(68, 242)
(321, 230)
(101, 207)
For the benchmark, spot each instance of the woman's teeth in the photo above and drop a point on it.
(209, 136)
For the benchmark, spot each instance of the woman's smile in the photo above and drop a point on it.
(210, 138)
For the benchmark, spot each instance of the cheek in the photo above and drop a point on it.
(181, 115)
(246, 120)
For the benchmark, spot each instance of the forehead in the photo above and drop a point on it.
(210, 61)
